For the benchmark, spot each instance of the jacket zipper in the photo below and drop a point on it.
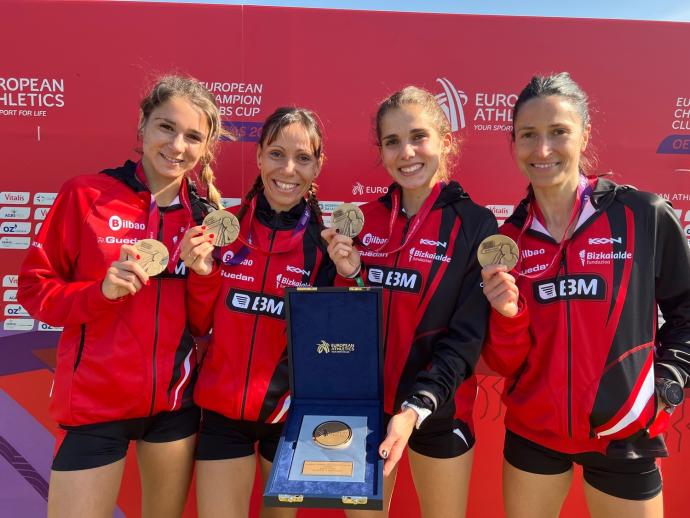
(564, 263)
(390, 301)
(155, 335)
(81, 346)
(271, 238)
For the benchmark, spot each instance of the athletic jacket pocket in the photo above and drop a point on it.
(110, 381)
(80, 348)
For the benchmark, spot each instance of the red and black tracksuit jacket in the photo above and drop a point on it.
(435, 314)
(582, 353)
(244, 375)
(128, 358)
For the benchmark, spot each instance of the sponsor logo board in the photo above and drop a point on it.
(41, 213)
(44, 198)
(42, 326)
(501, 211)
(14, 197)
(15, 213)
(15, 227)
(14, 243)
(15, 310)
(10, 281)
(18, 324)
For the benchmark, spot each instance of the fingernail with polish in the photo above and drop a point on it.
(211, 236)
(138, 257)
(384, 454)
(203, 227)
(337, 231)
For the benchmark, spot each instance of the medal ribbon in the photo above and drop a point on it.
(248, 244)
(154, 216)
(584, 191)
(417, 219)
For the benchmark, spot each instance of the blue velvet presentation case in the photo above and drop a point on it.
(335, 358)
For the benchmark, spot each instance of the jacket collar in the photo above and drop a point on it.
(284, 220)
(604, 193)
(450, 193)
(126, 174)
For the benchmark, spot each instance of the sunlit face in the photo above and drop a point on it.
(288, 166)
(412, 151)
(174, 138)
(549, 141)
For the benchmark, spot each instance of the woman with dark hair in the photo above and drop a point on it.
(126, 360)
(590, 378)
(243, 387)
(423, 238)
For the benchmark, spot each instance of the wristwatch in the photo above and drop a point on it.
(422, 404)
(670, 392)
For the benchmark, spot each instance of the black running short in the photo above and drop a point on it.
(223, 438)
(440, 438)
(632, 479)
(94, 445)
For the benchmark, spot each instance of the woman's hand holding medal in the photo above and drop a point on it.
(125, 276)
(342, 252)
(498, 254)
(197, 247)
(348, 222)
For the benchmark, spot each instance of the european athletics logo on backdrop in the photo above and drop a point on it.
(451, 102)
(481, 110)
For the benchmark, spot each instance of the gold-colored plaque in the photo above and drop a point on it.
(332, 434)
(348, 219)
(224, 225)
(327, 468)
(153, 256)
(498, 249)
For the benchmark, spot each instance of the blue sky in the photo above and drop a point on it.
(671, 10)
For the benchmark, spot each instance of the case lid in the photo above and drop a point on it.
(334, 343)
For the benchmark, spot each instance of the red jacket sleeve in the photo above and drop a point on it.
(344, 282)
(508, 341)
(48, 287)
(202, 293)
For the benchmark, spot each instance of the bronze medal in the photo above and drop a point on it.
(332, 434)
(153, 256)
(224, 225)
(498, 249)
(348, 219)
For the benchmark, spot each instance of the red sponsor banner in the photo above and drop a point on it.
(72, 75)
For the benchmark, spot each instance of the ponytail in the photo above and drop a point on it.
(313, 203)
(256, 189)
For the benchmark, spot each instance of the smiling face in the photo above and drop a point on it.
(288, 165)
(549, 140)
(174, 138)
(412, 150)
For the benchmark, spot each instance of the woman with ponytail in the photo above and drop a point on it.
(243, 385)
(126, 360)
(591, 378)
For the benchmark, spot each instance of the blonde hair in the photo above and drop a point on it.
(169, 86)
